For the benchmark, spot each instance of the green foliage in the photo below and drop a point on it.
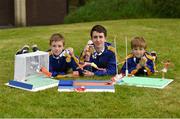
(96, 10)
(162, 35)
(167, 8)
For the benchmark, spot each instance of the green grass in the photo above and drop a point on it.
(162, 35)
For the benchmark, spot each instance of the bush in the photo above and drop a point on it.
(167, 8)
(97, 10)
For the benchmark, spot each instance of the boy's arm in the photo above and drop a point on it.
(110, 69)
(51, 70)
(74, 64)
(132, 69)
(149, 66)
(55, 73)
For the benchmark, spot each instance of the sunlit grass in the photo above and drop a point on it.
(162, 35)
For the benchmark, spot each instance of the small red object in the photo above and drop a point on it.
(46, 72)
(80, 89)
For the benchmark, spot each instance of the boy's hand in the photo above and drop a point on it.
(81, 66)
(75, 73)
(138, 66)
(143, 61)
(86, 49)
(87, 56)
(88, 73)
(71, 50)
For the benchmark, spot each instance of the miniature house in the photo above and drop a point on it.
(29, 64)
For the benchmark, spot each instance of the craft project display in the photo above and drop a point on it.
(86, 86)
(31, 72)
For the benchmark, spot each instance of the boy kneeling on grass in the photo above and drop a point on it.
(139, 62)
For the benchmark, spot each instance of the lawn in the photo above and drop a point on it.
(162, 35)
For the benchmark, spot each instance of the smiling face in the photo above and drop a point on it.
(57, 47)
(138, 46)
(98, 39)
(138, 52)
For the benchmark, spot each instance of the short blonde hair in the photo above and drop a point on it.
(56, 37)
(138, 42)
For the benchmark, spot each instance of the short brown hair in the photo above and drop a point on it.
(56, 37)
(100, 29)
(138, 42)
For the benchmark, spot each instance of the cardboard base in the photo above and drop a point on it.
(145, 82)
(85, 86)
(34, 83)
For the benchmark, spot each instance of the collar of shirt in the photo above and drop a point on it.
(99, 53)
(95, 54)
(56, 57)
(136, 60)
(61, 54)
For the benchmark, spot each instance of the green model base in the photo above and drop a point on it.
(145, 82)
(39, 81)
